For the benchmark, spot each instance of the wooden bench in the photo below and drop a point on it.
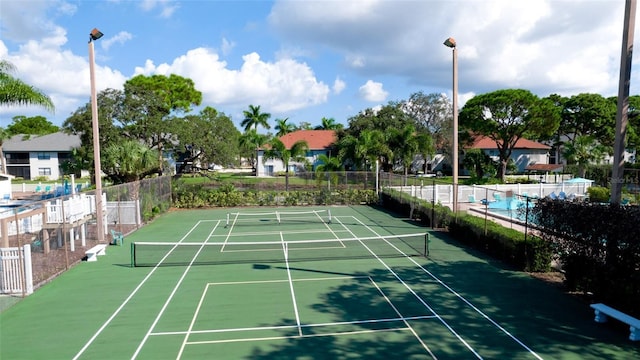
(603, 312)
(92, 254)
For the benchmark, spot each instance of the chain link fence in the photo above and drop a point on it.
(60, 226)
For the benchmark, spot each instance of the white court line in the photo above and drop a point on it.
(464, 300)
(279, 327)
(173, 292)
(293, 293)
(126, 301)
(229, 232)
(294, 337)
(413, 292)
(265, 233)
(406, 322)
(193, 321)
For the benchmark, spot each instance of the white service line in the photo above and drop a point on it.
(126, 301)
(465, 301)
(229, 233)
(293, 293)
(166, 303)
(406, 322)
(413, 292)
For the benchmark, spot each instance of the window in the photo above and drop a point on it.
(44, 156)
(44, 171)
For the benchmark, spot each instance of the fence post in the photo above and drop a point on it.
(28, 270)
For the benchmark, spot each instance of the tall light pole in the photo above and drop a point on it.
(623, 101)
(451, 42)
(95, 35)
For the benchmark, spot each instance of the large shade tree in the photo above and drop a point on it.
(80, 123)
(432, 113)
(506, 116)
(34, 125)
(207, 138)
(150, 102)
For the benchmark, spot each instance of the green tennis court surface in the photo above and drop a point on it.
(300, 283)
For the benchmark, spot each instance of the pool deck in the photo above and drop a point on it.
(479, 211)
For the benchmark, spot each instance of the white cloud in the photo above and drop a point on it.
(227, 46)
(120, 38)
(543, 45)
(372, 91)
(59, 73)
(280, 86)
(167, 7)
(338, 86)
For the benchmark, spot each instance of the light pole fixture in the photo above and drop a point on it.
(451, 42)
(95, 34)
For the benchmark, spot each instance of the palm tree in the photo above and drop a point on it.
(15, 92)
(254, 118)
(279, 151)
(283, 128)
(583, 151)
(329, 124)
(330, 165)
(405, 145)
(364, 150)
(250, 142)
(129, 161)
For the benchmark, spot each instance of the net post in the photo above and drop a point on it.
(133, 254)
(285, 248)
(329, 212)
(426, 244)
(227, 224)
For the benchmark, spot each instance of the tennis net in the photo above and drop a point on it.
(210, 253)
(278, 217)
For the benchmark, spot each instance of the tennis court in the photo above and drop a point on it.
(298, 283)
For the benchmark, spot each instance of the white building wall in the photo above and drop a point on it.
(51, 163)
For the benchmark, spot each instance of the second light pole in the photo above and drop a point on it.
(95, 35)
(451, 42)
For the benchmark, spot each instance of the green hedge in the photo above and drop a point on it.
(423, 211)
(199, 196)
(598, 246)
(503, 243)
(508, 245)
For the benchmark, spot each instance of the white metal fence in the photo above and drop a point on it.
(15, 270)
(443, 193)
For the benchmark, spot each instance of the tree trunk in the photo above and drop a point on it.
(286, 179)
(502, 170)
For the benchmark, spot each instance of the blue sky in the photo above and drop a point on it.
(305, 60)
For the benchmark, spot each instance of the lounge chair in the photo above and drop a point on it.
(553, 196)
(116, 237)
(472, 199)
(562, 195)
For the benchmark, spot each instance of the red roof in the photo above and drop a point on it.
(316, 139)
(484, 142)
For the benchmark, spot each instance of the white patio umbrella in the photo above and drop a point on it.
(579, 181)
